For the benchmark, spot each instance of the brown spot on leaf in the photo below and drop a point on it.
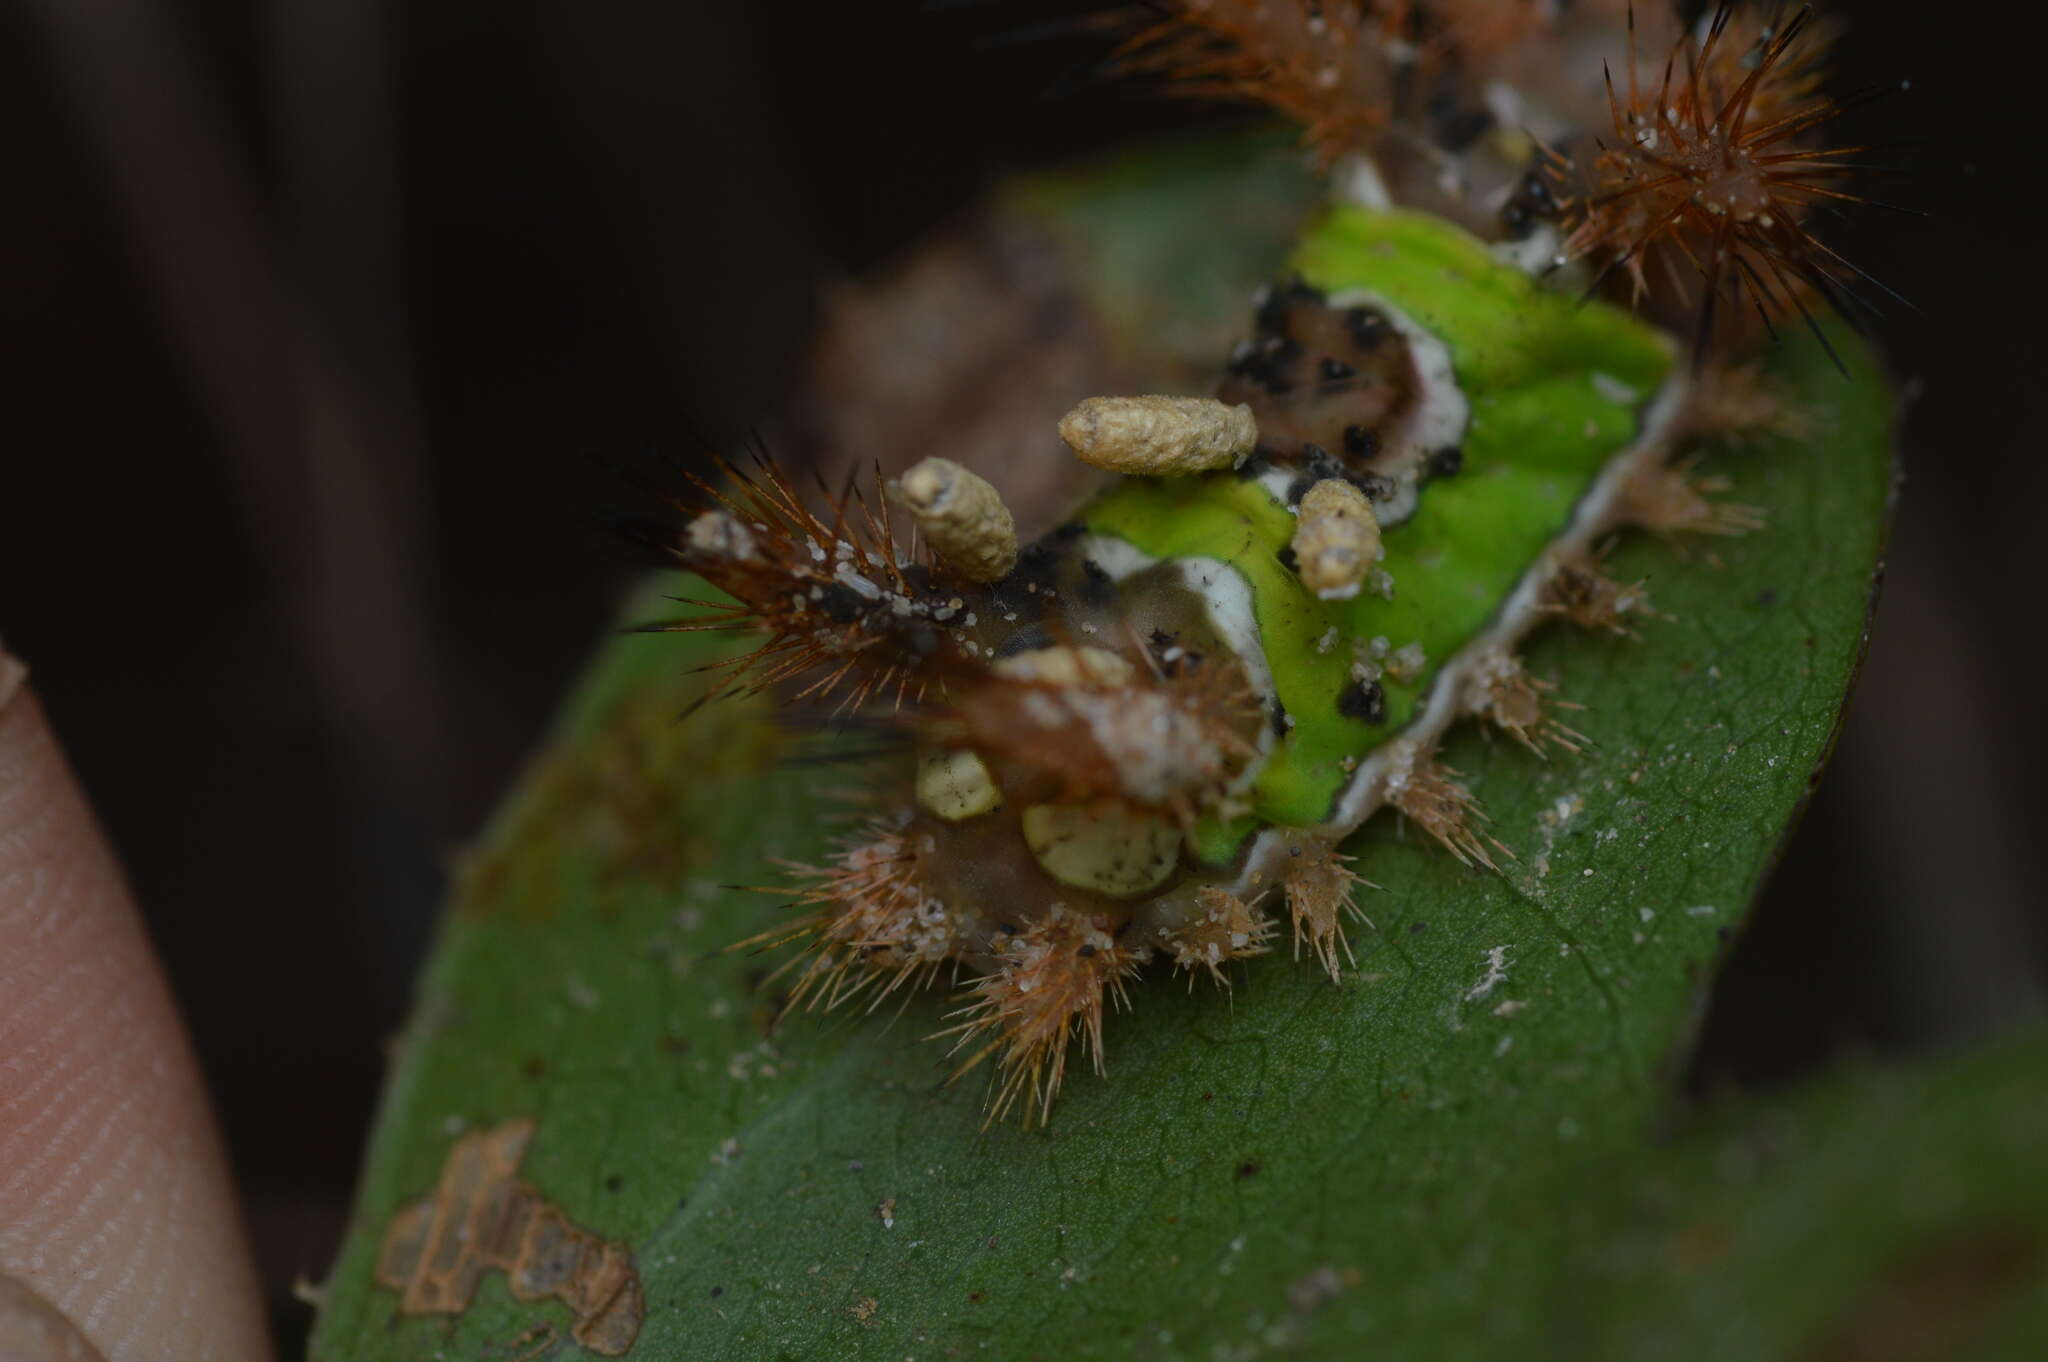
(633, 798)
(1934, 1300)
(1699, 1247)
(482, 1218)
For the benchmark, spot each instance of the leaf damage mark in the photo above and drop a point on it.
(1937, 1300)
(635, 797)
(482, 1218)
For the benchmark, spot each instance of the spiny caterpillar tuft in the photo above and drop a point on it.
(1143, 738)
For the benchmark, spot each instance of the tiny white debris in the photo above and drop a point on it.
(1406, 663)
(1229, 1263)
(1503, 1045)
(861, 586)
(1646, 914)
(1356, 180)
(1328, 640)
(1508, 1007)
(1701, 910)
(717, 535)
(1496, 974)
(1614, 390)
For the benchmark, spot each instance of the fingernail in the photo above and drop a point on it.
(33, 1330)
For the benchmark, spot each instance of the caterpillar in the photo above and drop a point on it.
(1141, 741)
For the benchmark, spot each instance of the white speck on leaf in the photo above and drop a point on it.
(1496, 974)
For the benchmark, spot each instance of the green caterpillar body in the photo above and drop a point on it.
(1536, 394)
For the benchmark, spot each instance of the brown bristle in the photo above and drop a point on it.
(1740, 403)
(1431, 797)
(1051, 981)
(873, 929)
(1501, 691)
(1481, 31)
(1228, 928)
(1793, 83)
(1330, 68)
(1673, 500)
(1711, 172)
(832, 594)
(1319, 884)
(1589, 598)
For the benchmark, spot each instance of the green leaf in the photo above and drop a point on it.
(1453, 1154)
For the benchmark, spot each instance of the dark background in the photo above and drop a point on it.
(324, 316)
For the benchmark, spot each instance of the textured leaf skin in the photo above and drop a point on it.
(1419, 1160)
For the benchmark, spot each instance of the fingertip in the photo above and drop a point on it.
(116, 1209)
(33, 1330)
